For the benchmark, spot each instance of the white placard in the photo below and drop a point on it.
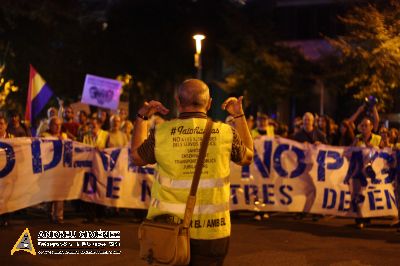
(101, 92)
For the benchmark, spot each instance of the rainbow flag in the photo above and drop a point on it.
(39, 93)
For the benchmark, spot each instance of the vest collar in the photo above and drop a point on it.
(185, 115)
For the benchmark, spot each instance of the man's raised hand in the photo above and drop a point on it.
(152, 107)
(233, 106)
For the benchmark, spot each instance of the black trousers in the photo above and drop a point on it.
(4, 218)
(94, 211)
(208, 252)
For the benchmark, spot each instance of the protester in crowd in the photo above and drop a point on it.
(346, 137)
(385, 138)
(44, 123)
(297, 125)
(96, 137)
(308, 133)
(116, 138)
(374, 119)
(324, 125)
(208, 246)
(126, 125)
(16, 127)
(250, 122)
(56, 207)
(334, 131)
(60, 107)
(370, 140)
(104, 117)
(389, 142)
(52, 111)
(283, 130)
(4, 134)
(70, 126)
(4, 218)
(263, 127)
(367, 138)
(83, 117)
(394, 137)
(83, 128)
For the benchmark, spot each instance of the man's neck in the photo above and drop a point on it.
(191, 109)
(308, 130)
(55, 134)
(366, 137)
(184, 115)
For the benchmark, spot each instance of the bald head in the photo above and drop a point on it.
(308, 121)
(194, 93)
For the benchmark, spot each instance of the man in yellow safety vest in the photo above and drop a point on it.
(174, 147)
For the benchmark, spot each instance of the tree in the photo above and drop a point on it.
(258, 63)
(370, 51)
(149, 39)
(48, 35)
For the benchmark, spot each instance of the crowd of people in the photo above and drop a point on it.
(101, 129)
(361, 129)
(233, 141)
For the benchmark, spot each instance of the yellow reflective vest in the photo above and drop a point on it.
(270, 132)
(375, 140)
(49, 135)
(177, 144)
(98, 141)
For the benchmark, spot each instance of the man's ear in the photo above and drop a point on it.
(178, 103)
(209, 104)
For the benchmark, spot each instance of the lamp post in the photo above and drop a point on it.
(197, 58)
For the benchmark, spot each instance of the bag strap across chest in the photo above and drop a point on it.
(191, 201)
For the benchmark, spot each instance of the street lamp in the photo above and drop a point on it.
(197, 59)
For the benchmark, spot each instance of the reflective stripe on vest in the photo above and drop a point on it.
(177, 144)
(180, 207)
(204, 183)
(375, 140)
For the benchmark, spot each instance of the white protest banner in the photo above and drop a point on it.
(275, 181)
(286, 176)
(101, 92)
(354, 181)
(39, 170)
(115, 181)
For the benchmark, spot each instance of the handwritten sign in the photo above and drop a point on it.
(101, 92)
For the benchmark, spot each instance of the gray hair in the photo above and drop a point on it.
(193, 92)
